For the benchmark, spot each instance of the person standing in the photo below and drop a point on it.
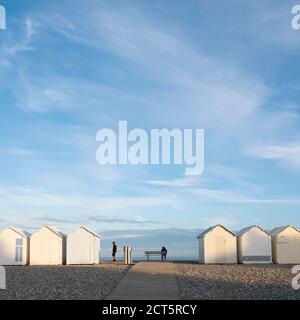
(163, 252)
(114, 252)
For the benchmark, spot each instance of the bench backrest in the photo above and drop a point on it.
(152, 252)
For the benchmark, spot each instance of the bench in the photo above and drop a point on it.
(152, 253)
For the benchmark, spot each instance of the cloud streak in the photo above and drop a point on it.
(232, 197)
(288, 154)
(68, 71)
(26, 196)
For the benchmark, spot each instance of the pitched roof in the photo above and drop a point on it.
(245, 230)
(90, 231)
(56, 231)
(278, 230)
(204, 233)
(19, 231)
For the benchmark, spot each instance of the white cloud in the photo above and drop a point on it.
(40, 96)
(272, 24)
(24, 196)
(233, 197)
(288, 154)
(181, 182)
(29, 208)
(125, 236)
(17, 44)
(17, 151)
(227, 221)
(190, 88)
(31, 27)
(215, 94)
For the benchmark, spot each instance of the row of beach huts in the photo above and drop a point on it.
(251, 245)
(217, 245)
(49, 246)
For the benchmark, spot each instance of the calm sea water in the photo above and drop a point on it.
(154, 258)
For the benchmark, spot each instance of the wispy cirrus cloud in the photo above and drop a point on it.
(163, 53)
(111, 220)
(17, 151)
(102, 219)
(273, 25)
(42, 95)
(29, 208)
(287, 154)
(72, 70)
(228, 220)
(224, 196)
(180, 182)
(15, 44)
(33, 198)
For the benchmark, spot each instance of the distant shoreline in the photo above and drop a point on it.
(143, 258)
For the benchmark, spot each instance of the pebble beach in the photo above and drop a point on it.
(235, 282)
(62, 282)
(195, 282)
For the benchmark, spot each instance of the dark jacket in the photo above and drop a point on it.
(164, 250)
(114, 250)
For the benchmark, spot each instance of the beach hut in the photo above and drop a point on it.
(83, 247)
(286, 245)
(14, 247)
(48, 247)
(217, 245)
(254, 245)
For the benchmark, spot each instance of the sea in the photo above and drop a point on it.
(155, 258)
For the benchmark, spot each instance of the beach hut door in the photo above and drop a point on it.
(54, 256)
(19, 250)
(220, 250)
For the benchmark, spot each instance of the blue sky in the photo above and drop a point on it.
(70, 68)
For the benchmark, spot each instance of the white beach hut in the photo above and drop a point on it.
(14, 247)
(83, 247)
(48, 247)
(254, 245)
(217, 245)
(286, 245)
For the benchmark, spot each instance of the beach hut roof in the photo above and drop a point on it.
(19, 231)
(90, 231)
(204, 233)
(278, 230)
(245, 230)
(56, 231)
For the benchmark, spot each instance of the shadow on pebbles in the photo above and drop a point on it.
(62, 282)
